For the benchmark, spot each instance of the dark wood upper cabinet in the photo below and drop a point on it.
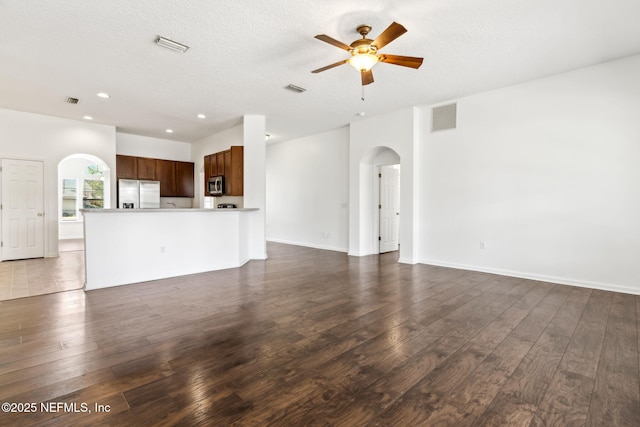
(234, 171)
(207, 169)
(230, 164)
(184, 179)
(126, 167)
(220, 162)
(209, 172)
(146, 168)
(165, 172)
(176, 178)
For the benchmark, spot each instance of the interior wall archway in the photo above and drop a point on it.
(370, 141)
(369, 199)
(72, 167)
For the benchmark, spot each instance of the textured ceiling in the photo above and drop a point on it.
(243, 54)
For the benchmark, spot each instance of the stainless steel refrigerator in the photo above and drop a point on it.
(137, 194)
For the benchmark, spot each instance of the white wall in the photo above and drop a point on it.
(308, 190)
(51, 139)
(144, 146)
(546, 175)
(212, 144)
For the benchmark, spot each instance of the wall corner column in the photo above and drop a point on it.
(255, 152)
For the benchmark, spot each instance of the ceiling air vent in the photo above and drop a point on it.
(443, 117)
(172, 45)
(71, 100)
(295, 88)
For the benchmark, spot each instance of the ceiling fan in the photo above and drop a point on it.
(364, 52)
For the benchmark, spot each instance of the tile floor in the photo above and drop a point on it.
(28, 277)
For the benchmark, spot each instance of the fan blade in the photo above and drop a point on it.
(325, 38)
(392, 32)
(367, 77)
(319, 70)
(405, 61)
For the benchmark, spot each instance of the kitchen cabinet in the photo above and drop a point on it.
(207, 171)
(165, 172)
(213, 165)
(126, 167)
(210, 170)
(230, 164)
(234, 171)
(184, 179)
(176, 177)
(220, 162)
(146, 168)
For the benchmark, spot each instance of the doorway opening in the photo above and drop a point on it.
(373, 221)
(388, 208)
(83, 183)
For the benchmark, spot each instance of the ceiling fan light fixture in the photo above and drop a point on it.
(364, 52)
(363, 61)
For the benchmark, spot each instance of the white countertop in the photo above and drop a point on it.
(162, 210)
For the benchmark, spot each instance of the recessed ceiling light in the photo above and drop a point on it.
(169, 131)
(103, 95)
(87, 117)
(201, 116)
(170, 44)
(361, 113)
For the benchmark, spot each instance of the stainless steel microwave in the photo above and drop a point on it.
(215, 186)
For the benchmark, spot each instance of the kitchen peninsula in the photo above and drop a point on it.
(124, 246)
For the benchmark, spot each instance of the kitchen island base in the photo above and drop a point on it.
(124, 246)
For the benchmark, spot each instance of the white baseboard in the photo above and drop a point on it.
(308, 245)
(351, 253)
(538, 277)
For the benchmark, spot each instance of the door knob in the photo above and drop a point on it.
(40, 214)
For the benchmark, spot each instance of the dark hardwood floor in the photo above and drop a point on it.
(313, 337)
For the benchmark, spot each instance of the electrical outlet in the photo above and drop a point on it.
(482, 245)
(161, 249)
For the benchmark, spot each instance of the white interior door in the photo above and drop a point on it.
(389, 208)
(22, 209)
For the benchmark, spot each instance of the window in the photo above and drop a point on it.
(91, 197)
(69, 199)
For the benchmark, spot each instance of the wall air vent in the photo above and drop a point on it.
(71, 100)
(295, 88)
(443, 117)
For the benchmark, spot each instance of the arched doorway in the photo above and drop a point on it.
(398, 135)
(370, 209)
(83, 183)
